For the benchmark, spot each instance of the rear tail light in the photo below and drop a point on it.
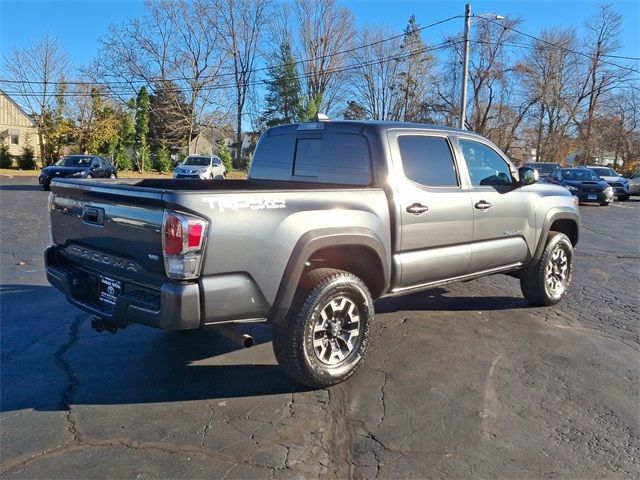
(183, 240)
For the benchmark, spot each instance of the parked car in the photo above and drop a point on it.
(201, 167)
(619, 184)
(77, 166)
(634, 183)
(584, 184)
(544, 169)
(332, 216)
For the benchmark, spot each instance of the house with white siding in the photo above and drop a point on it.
(17, 129)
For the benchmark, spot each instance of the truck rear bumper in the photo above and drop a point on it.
(175, 306)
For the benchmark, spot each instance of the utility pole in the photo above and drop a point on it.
(465, 65)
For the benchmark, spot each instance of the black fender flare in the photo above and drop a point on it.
(313, 241)
(552, 216)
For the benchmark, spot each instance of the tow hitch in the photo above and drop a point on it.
(102, 325)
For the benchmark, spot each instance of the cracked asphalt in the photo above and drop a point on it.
(465, 381)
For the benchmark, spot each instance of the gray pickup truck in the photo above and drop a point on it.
(332, 216)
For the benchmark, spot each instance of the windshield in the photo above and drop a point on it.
(198, 161)
(604, 172)
(74, 161)
(580, 175)
(545, 167)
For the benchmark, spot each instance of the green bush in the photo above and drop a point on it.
(5, 158)
(27, 160)
(123, 161)
(225, 155)
(163, 159)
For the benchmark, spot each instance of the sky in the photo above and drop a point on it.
(79, 23)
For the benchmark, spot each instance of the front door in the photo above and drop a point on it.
(504, 221)
(435, 227)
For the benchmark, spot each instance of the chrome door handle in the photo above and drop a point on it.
(482, 205)
(417, 209)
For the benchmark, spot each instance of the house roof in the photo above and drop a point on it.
(20, 109)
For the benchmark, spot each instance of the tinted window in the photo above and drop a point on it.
(273, 158)
(486, 167)
(427, 160)
(333, 158)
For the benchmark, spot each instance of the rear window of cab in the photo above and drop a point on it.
(341, 158)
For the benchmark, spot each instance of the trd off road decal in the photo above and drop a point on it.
(235, 204)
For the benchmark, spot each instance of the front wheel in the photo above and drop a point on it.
(604, 203)
(325, 335)
(623, 198)
(546, 281)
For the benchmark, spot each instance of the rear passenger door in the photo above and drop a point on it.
(435, 227)
(503, 214)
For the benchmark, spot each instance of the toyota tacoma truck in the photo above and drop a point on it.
(332, 216)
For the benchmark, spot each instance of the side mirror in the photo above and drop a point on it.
(527, 176)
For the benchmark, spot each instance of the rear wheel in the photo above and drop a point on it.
(547, 280)
(325, 335)
(623, 198)
(604, 203)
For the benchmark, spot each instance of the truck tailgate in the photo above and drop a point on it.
(111, 227)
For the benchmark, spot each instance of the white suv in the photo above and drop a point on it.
(616, 181)
(201, 167)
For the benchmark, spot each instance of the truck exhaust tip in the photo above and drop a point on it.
(244, 340)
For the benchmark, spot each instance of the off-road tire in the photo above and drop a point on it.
(293, 338)
(537, 281)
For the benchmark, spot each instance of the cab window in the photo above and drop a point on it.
(486, 167)
(427, 160)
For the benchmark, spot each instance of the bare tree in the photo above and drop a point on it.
(550, 74)
(324, 29)
(239, 24)
(375, 75)
(33, 71)
(600, 76)
(173, 44)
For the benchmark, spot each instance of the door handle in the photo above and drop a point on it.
(482, 205)
(417, 209)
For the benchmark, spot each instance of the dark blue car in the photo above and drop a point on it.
(77, 166)
(584, 184)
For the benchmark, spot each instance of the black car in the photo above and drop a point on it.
(584, 184)
(77, 166)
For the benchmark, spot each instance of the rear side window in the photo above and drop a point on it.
(428, 160)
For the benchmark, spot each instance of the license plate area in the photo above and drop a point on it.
(110, 290)
(592, 197)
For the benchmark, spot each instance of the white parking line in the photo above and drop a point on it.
(619, 206)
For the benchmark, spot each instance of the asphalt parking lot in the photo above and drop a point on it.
(465, 381)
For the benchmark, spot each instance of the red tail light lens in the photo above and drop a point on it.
(196, 230)
(173, 235)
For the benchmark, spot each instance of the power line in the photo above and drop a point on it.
(562, 47)
(336, 70)
(226, 74)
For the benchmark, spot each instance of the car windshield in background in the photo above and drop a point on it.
(199, 161)
(580, 175)
(604, 172)
(74, 162)
(545, 167)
